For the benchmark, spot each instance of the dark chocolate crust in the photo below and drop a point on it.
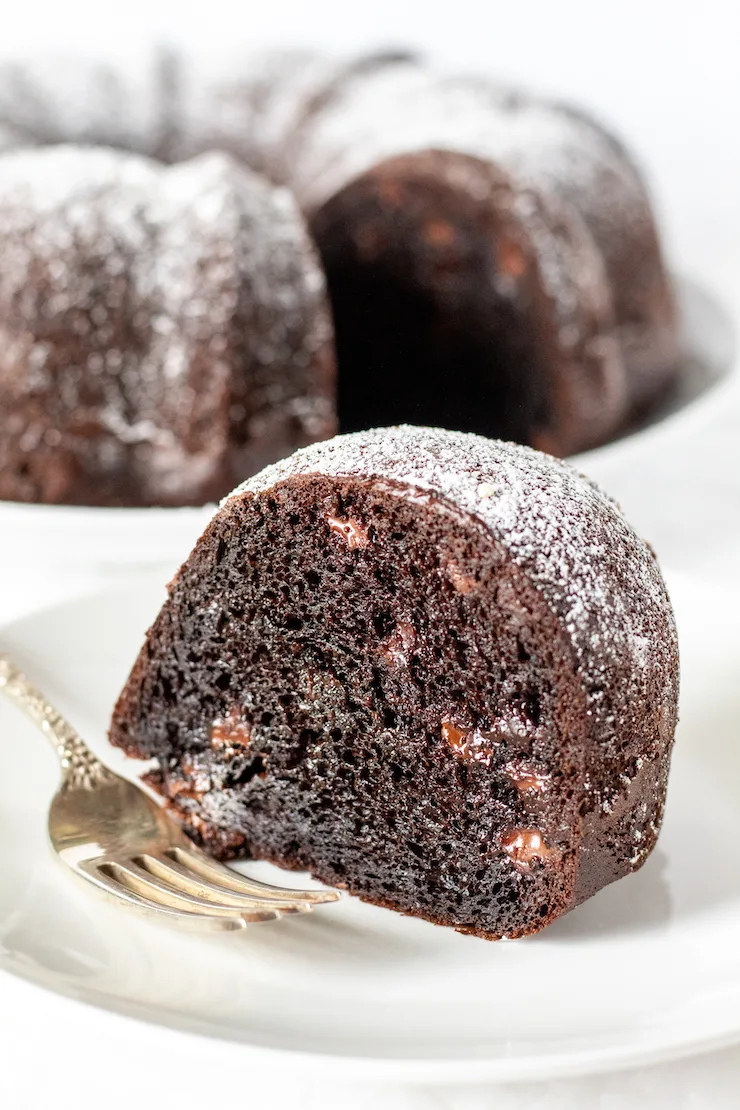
(436, 670)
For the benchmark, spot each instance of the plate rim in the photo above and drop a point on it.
(666, 1042)
(343, 1067)
(136, 538)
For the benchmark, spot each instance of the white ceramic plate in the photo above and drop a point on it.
(80, 541)
(648, 968)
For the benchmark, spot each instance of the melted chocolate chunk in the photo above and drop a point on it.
(353, 534)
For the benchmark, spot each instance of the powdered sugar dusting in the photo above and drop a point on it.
(68, 98)
(260, 105)
(156, 309)
(555, 159)
(250, 102)
(315, 122)
(569, 538)
(408, 108)
(576, 196)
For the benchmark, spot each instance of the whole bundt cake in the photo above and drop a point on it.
(492, 258)
(165, 331)
(437, 670)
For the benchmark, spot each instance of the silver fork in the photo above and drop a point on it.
(116, 838)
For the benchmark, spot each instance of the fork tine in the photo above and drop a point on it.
(115, 835)
(182, 879)
(134, 878)
(197, 922)
(224, 876)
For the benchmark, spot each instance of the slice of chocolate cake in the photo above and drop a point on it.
(436, 670)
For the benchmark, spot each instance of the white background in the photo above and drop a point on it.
(665, 71)
(668, 75)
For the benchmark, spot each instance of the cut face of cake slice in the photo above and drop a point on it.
(436, 670)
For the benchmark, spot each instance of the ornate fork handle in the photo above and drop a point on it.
(80, 768)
